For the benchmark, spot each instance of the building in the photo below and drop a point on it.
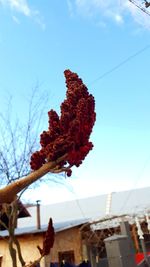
(129, 202)
(67, 245)
(75, 239)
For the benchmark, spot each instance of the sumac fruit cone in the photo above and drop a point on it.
(49, 239)
(68, 133)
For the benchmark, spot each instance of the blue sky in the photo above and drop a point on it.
(108, 44)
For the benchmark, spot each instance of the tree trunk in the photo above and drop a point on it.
(12, 253)
(19, 251)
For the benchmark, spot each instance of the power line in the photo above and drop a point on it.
(71, 189)
(120, 64)
(104, 75)
(140, 7)
(136, 181)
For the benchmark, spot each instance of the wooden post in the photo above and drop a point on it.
(135, 238)
(38, 215)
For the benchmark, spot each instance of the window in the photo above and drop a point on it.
(67, 256)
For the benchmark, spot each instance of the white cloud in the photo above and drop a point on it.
(22, 7)
(115, 10)
(119, 19)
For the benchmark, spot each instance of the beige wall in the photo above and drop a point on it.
(64, 241)
(28, 247)
(67, 240)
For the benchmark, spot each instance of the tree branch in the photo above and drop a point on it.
(9, 193)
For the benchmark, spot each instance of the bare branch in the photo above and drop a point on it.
(18, 141)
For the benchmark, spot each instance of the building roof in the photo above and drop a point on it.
(60, 226)
(73, 213)
(125, 202)
(22, 212)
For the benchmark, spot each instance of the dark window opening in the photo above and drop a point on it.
(66, 257)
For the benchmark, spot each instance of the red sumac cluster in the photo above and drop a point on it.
(48, 241)
(49, 238)
(68, 133)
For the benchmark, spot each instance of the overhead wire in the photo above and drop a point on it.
(123, 62)
(140, 7)
(106, 74)
(71, 189)
(135, 183)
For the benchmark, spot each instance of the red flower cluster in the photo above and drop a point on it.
(70, 132)
(48, 240)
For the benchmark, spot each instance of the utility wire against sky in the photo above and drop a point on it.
(135, 182)
(71, 189)
(114, 68)
(104, 75)
(147, 4)
(109, 72)
(120, 64)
